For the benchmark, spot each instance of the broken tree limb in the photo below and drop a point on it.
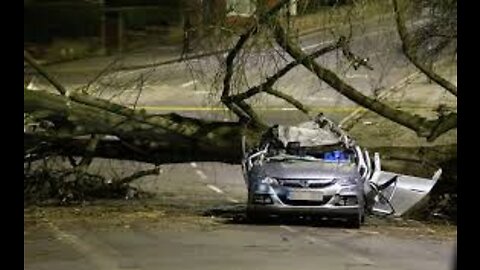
(161, 138)
(271, 80)
(290, 99)
(32, 62)
(411, 53)
(421, 125)
(229, 69)
(158, 153)
(136, 175)
(89, 153)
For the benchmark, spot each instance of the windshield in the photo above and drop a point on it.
(336, 155)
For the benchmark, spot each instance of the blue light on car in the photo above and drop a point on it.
(335, 156)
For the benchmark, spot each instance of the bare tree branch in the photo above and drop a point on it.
(29, 59)
(430, 129)
(410, 51)
(89, 153)
(275, 77)
(288, 98)
(442, 125)
(136, 175)
(229, 63)
(140, 89)
(148, 132)
(107, 68)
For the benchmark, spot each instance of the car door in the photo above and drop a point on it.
(397, 193)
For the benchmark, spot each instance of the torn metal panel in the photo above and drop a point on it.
(397, 193)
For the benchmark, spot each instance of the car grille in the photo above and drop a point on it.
(305, 203)
(300, 183)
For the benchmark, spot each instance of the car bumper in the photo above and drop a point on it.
(327, 210)
(276, 203)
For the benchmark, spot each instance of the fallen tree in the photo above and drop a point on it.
(76, 124)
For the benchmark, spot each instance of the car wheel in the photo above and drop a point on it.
(254, 217)
(355, 221)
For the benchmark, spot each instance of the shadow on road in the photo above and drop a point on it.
(236, 214)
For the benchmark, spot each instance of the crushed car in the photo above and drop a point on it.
(316, 169)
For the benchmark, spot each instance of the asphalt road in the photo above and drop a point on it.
(54, 244)
(59, 244)
(235, 247)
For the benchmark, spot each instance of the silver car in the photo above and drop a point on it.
(316, 169)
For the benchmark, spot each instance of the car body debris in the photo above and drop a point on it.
(317, 169)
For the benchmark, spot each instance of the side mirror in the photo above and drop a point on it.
(376, 160)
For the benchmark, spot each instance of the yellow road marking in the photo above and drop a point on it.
(320, 109)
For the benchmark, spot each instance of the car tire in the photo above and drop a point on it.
(362, 219)
(255, 218)
(355, 221)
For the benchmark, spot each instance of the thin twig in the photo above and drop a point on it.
(32, 62)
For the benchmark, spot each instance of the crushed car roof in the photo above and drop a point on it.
(307, 134)
(318, 132)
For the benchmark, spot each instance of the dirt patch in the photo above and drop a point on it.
(398, 227)
(125, 215)
(121, 214)
(410, 228)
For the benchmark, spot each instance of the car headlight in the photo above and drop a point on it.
(346, 181)
(349, 189)
(269, 180)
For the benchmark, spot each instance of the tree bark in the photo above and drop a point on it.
(155, 139)
(409, 49)
(429, 129)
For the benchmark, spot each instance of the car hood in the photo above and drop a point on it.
(309, 170)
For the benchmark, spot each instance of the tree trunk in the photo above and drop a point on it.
(156, 139)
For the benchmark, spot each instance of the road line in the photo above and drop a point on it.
(216, 189)
(32, 86)
(94, 254)
(201, 92)
(332, 41)
(288, 228)
(187, 84)
(358, 258)
(311, 239)
(201, 174)
(357, 76)
(212, 187)
(191, 108)
(317, 109)
(362, 260)
(230, 199)
(316, 45)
